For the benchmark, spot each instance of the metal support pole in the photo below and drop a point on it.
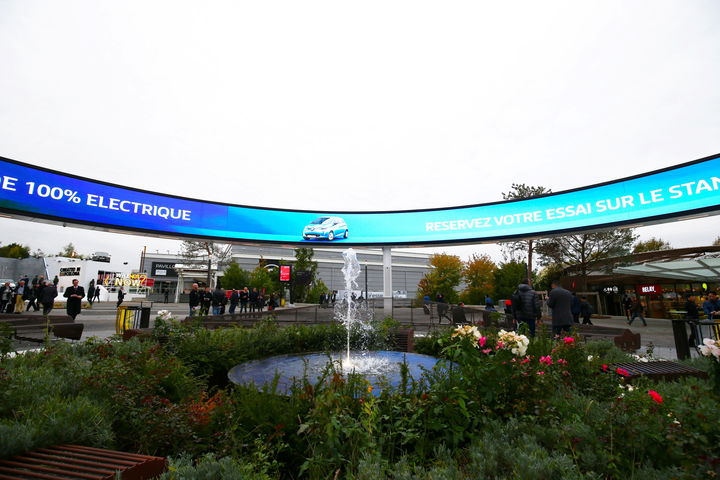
(387, 282)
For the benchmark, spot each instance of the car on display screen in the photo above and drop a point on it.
(326, 227)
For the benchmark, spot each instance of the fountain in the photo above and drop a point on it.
(378, 367)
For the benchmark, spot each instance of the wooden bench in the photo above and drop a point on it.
(32, 327)
(661, 370)
(624, 338)
(74, 462)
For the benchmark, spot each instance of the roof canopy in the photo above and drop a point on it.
(705, 269)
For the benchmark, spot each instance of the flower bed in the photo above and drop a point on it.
(514, 408)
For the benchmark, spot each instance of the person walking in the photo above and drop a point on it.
(637, 311)
(20, 296)
(560, 301)
(586, 310)
(627, 304)
(6, 292)
(692, 314)
(575, 308)
(458, 314)
(525, 306)
(121, 297)
(74, 296)
(96, 294)
(31, 296)
(194, 300)
(47, 297)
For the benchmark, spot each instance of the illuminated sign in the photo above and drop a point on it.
(648, 289)
(689, 189)
(285, 271)
(131, 280)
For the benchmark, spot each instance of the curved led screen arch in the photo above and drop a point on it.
(688, 189)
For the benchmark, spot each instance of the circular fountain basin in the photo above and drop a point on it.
(378, 367)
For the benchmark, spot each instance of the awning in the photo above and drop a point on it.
(698, 269)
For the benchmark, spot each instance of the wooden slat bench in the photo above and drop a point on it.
(661, 370)
(32, 327)
(71, 462)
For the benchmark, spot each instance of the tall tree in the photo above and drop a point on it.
(68, 251)
(303, 263)
(507, 278)
(444, 277)
(478, 273)
(196, 252)
(525, 248)
(235, 277)
(652, 245)
(580, 250)
(15, 250)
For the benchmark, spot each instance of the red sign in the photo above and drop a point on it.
(648, 289)
(148, 282)
(285, 273)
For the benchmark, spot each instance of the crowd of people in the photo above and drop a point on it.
(201, 301)
(28, 294)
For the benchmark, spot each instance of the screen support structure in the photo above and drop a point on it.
(387, 282)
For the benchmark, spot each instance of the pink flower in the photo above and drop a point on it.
(604, 368)
(562, 361)
(623, 372)
(655, 396)
(482, 341)
(568, 340)
(526, 360)
(547, 360)
(541, 373)
(500, 345)
(486, 350)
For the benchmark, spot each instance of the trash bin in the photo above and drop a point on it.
(144, 317)
(682, 346)
(124, 318)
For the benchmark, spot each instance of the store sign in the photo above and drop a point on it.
(69, 272)
(163, 269)
(689, 189)
(285, 273)
(648, 289)
(610, 290)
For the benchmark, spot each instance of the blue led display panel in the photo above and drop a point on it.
(680, 191)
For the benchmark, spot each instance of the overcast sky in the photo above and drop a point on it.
(337, 106)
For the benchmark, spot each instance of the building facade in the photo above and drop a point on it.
(172, 275)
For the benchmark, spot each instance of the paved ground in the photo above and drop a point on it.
(100, 322)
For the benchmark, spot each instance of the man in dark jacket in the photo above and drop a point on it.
(560, 301)
(194, 300)
(253, 299)
(218, 300)
(47, 297)
(234, 300)
(74, 296)
(525, 306)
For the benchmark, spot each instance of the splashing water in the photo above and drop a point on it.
(350, 312)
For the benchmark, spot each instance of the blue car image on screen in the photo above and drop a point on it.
(328, 228)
